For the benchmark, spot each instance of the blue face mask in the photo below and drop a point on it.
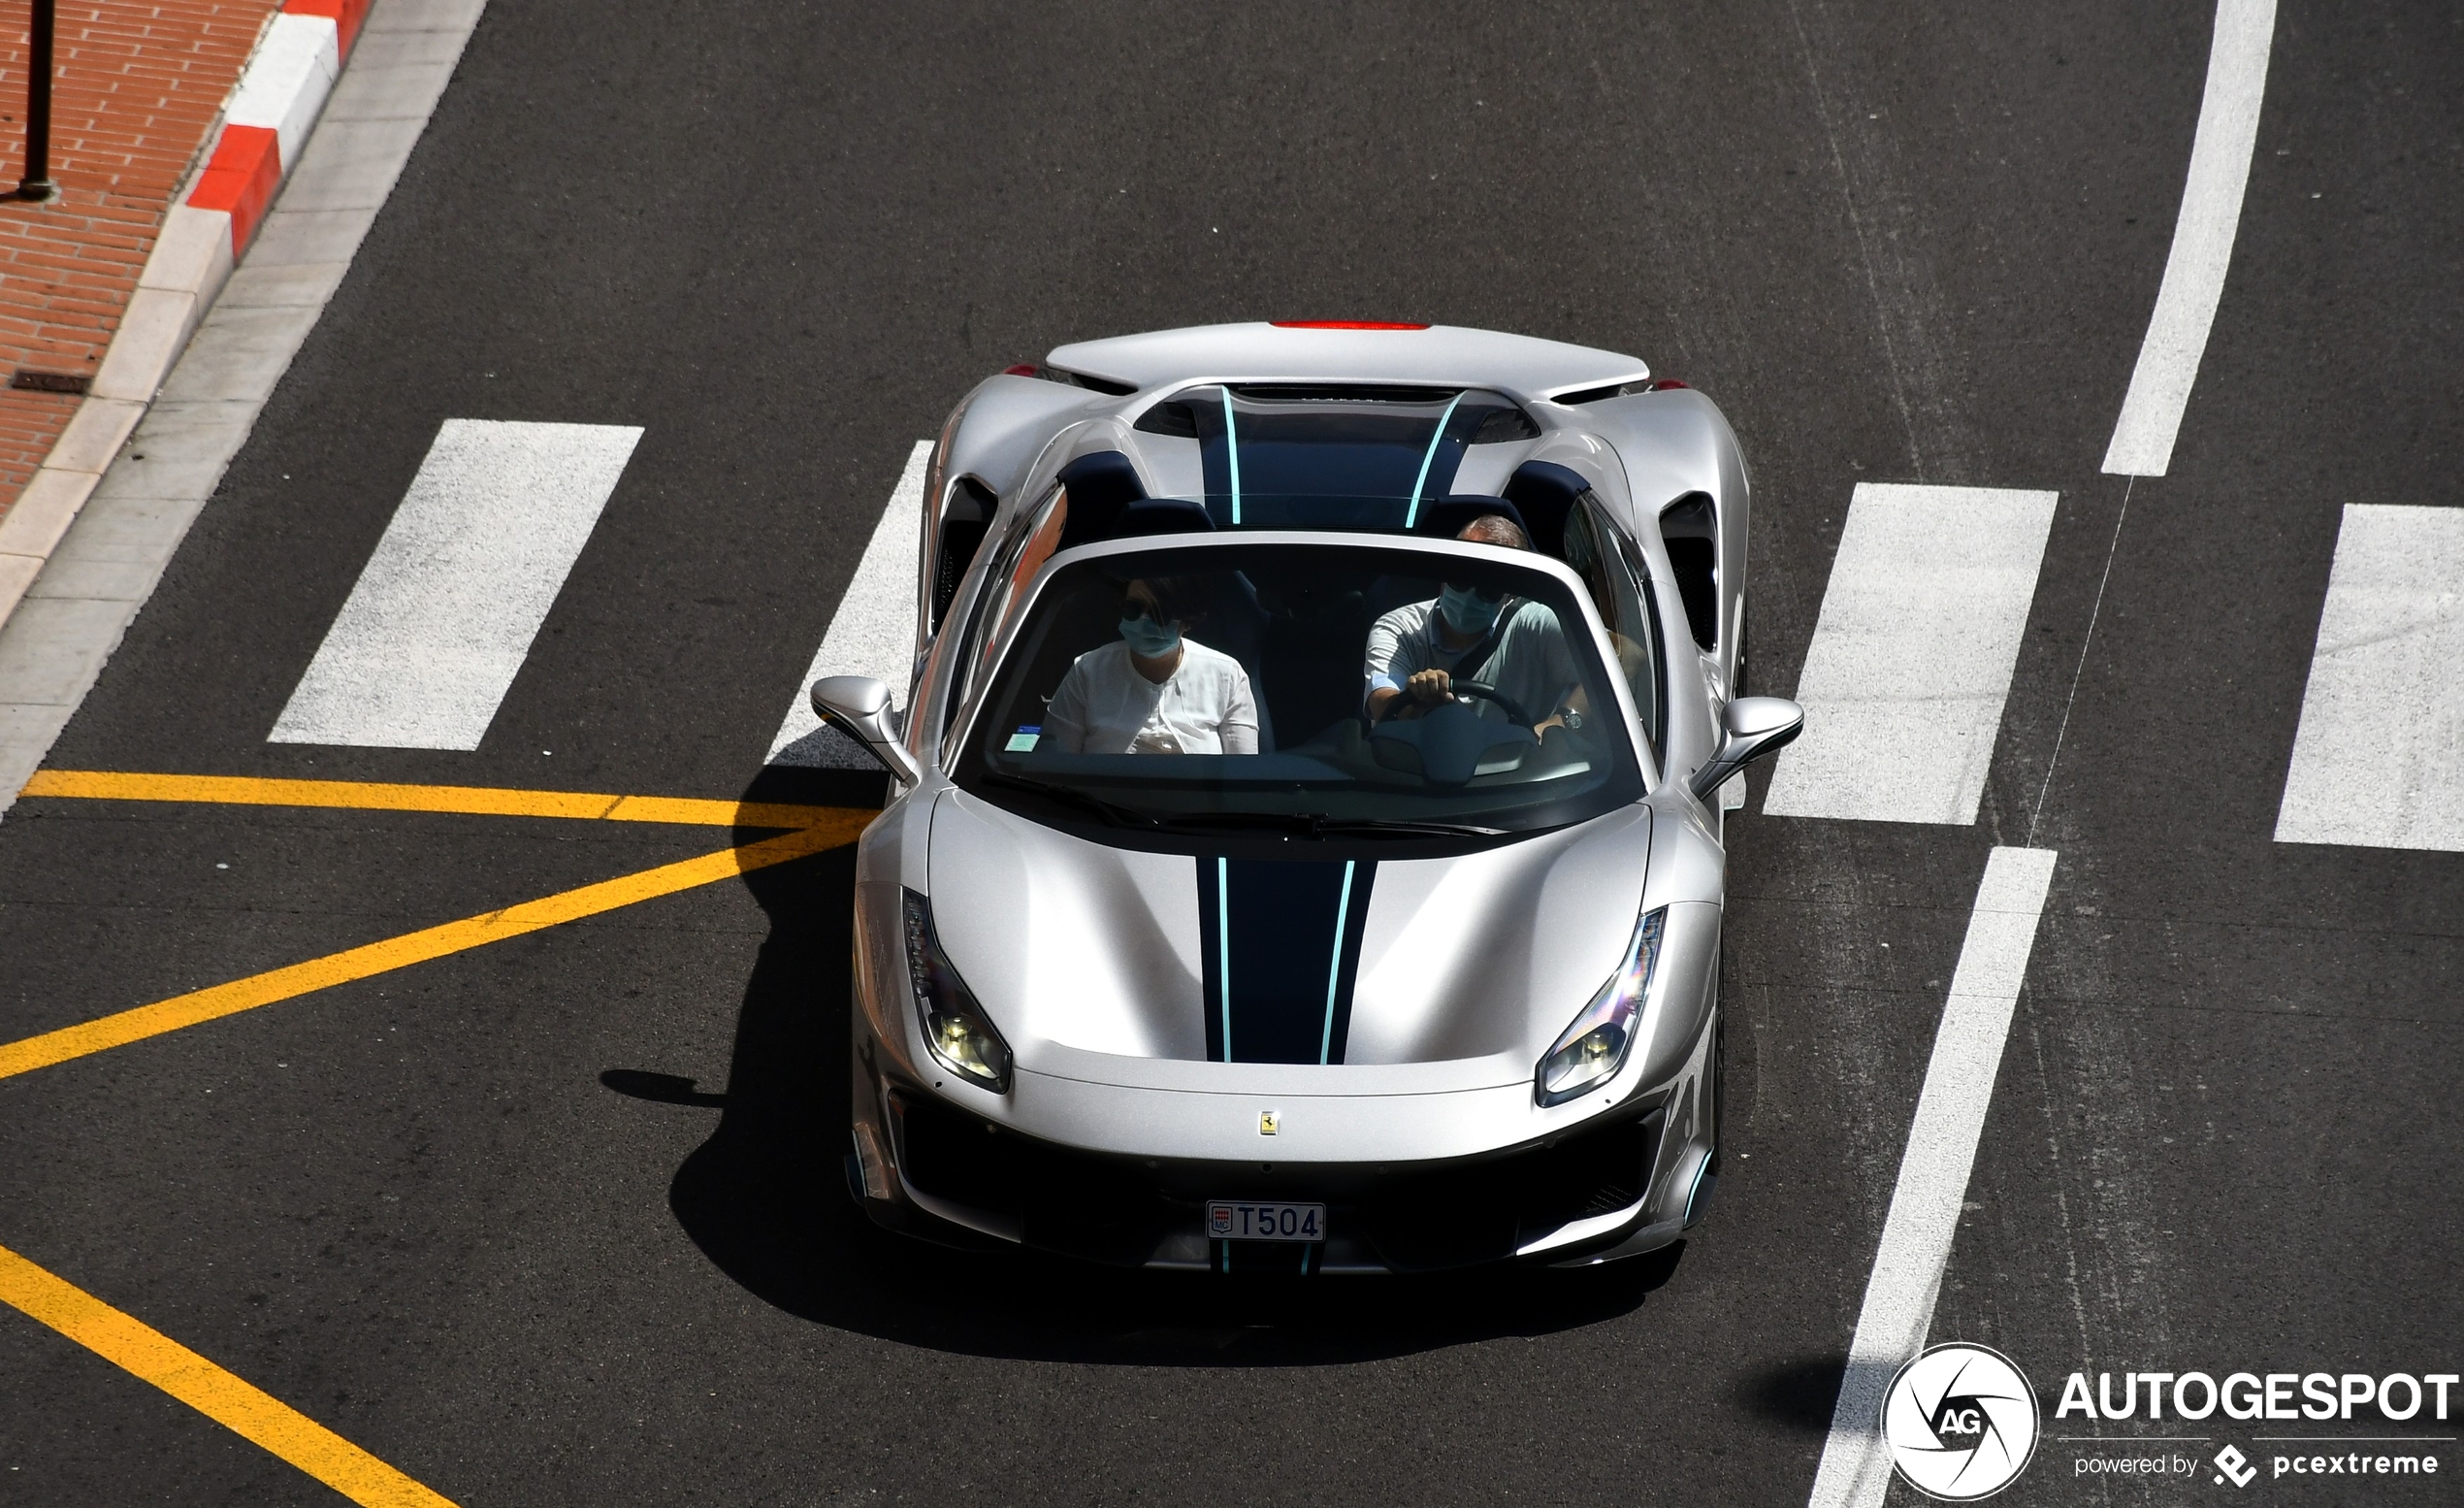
(1150, 638)
(1467, 611)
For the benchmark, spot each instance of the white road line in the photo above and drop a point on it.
(873, 633)
(1934, 1171)
(2378, 758)
(443, 614)
(1912, 655)
(2202, 241)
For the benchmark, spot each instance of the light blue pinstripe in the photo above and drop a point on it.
(1412, 516)
(1334, 967)
(1232, 453)
(1224, 947)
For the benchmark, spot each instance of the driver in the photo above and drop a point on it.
(1153, 690)
(1416, 652)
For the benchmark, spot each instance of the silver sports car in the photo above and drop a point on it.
(1306, 846)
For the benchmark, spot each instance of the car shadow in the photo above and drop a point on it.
(766, 1200)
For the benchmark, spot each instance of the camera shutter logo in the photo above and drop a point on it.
(1961, 1421)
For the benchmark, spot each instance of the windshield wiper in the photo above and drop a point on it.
(1311, 825)
(1302, 822)
(1410, 825)
(1117, 816)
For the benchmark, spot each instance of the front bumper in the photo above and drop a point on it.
(1422, 1165)
(1617, 1185)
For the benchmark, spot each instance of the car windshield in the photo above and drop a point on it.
(1312, 687)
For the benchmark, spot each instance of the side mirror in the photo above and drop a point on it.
(859, 707)
(1755, 725)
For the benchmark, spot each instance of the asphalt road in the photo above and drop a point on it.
(472, 1216)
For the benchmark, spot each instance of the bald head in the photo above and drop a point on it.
(1495, 529)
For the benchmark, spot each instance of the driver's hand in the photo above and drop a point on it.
(1428, 688)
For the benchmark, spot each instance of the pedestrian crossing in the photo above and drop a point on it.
(1912, 655)
(2379, 757)
(1904, 681)
(873, 633)
(443, 614)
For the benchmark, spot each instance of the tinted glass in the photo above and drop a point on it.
(1620, 590)
(1227, 686)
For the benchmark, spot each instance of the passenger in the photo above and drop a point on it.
(1153, 690)
(1416, 652)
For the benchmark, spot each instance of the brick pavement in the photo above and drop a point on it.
(138, 87)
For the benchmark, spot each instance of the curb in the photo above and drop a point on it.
(265, 132)
(121, 490)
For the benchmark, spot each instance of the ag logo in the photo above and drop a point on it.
(1959, 1422)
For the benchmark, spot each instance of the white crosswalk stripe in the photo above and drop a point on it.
(443, 614)
(873, 633)
(2379, 757)
(1912, 655)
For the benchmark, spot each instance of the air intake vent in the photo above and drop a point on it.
(1094, 384)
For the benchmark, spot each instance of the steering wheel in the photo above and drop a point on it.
(1484, 692)
(1477, 690)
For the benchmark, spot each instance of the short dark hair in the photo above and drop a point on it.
(1179, 599)
(1495, 529)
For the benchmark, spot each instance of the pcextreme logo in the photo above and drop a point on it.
(1961, 1421)
(2231, 1463)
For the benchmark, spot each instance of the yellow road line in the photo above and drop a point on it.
(237, 1407)
(369, 795)
(377, 958)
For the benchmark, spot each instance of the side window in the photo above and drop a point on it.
(1653, 699)
(1621, 589)
(1025, 549)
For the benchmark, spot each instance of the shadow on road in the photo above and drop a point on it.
(666, 1089)
(1798, 1395)
(764, 1198)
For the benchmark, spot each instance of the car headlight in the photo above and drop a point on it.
(1594, 1048)
(955, 1027)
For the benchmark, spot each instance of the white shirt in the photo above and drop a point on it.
(1105, 707)
(1531, 663)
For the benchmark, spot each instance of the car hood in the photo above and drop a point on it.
(1092, 959)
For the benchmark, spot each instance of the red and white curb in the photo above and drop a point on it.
(204, 346)
(265, 131)
(267, 123)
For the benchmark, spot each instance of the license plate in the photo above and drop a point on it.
(1264, 1219)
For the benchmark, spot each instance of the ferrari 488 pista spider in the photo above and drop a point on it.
(1304, 850)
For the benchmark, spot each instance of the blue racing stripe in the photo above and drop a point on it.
(1291, 1003)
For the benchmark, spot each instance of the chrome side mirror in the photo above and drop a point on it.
(1755, 726)
(859, 707)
